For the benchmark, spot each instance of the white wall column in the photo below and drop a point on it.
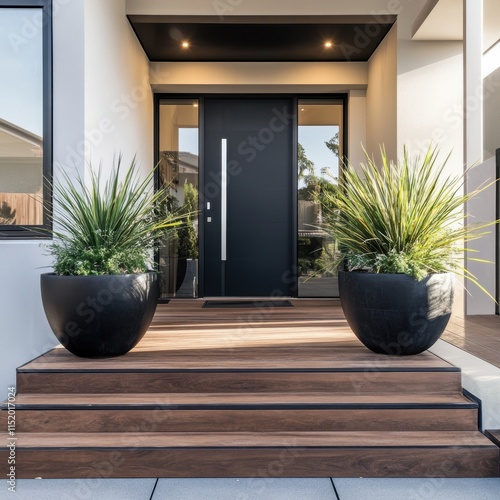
(473, 119)
(473, 81)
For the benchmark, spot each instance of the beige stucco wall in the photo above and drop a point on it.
(257, 77)
(357, 127)
(381, 113)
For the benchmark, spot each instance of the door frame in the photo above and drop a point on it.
(295, 97)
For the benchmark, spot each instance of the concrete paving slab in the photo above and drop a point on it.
(418, 489)
(245, 489)
(79, 489)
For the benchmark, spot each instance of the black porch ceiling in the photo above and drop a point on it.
(271, 38)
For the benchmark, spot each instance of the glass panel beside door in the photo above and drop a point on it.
(178, 177)
(319, 150)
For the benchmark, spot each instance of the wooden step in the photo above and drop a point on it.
(275, 358)
(248, 420)
(227, 454)
(309, 369)
(244, 412)
(244, 401)
(155, 381)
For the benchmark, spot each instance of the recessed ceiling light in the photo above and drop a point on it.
(302, 109)
(328, 44)
(195, 104)
(185, 45)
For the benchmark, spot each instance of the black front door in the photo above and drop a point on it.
(247, 197)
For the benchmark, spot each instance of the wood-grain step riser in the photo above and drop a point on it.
(247, 420)
(458, 462)
(302, 381)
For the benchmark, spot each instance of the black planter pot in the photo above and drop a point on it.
(395, 314)
(100, 316)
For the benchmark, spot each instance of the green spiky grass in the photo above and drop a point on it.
(107, 227)
(405, 218)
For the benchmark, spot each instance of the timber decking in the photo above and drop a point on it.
(234, 392)
(479, 335)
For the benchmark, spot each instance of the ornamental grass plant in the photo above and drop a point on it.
(107, 226)
(403, 218)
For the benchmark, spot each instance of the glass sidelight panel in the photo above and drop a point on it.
(320, 139)
(178, 176)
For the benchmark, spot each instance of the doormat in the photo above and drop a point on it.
(246, 304)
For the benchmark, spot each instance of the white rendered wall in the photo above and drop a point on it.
(25, 333)
(478, 377)
(118, 96)
(97, 67)
(480, 210)
(381, 115)
(430, 97)
(491, 112)
(430, 107)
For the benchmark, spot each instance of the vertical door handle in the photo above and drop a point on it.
(223, 201)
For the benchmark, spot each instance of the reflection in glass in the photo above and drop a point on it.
(319, 150)
(178, 176)
(21, 122)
